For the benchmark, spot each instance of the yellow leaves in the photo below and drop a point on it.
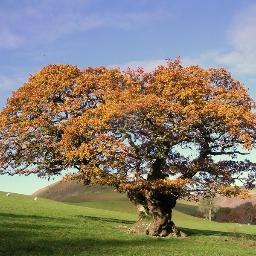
(233, 191)
(244, 194)
(172, 184)
(247, 140)
(3, 120)
(69, 117)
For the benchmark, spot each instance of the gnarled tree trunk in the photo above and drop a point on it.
(158, 203)
(160, 207)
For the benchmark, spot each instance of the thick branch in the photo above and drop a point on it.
(227, 153)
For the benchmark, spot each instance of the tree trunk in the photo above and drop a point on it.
(210, 213)
(158, 204)
(160, 208)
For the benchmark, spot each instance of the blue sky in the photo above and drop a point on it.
(34, 33)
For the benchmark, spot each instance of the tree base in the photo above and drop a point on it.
(144, 227)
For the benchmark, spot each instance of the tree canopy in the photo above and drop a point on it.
(172, 131)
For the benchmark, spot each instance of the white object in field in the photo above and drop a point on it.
(35, 198)
(8, 194)
(140, 208)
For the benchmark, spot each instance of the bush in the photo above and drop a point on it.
(245, 213)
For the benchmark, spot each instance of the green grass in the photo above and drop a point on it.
(74, 192)
(45, 227)
(123, 205)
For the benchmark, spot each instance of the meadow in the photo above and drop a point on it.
(46, 227)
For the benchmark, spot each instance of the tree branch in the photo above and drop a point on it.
(228, 153)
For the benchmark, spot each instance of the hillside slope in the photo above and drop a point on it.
(75, 192)
(223, 201)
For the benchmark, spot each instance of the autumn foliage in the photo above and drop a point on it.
(157, 135)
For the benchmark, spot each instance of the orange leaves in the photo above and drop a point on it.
(44, 86)
(233, 191)
(175, 185)
(3, 120)
(247, 140)
(108, 124)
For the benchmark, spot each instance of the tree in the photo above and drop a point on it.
(133, 130)
(207, 207)
(244, 213)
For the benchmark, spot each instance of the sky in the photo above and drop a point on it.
(35, 33)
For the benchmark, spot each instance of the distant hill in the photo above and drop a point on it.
(233, 202)
(73, 191)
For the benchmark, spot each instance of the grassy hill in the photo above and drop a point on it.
(73, 191)
(46, 227)
(77, 193)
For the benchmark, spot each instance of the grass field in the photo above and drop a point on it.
(45, 227)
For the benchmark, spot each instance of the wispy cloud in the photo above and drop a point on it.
(242, 35)
(46, 21)
(9, 82)
(9, 39)
(205, 59)
(241, 58)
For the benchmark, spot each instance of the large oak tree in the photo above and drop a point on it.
(159, 136)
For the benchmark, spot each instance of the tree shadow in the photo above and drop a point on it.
(112, 220)
(27, 243)
(37, 217)
(30, 235)
(187, 209)
(188, 231)
(202, 232)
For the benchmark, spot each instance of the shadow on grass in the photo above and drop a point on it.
(32, 235)
(187, 209)
(83, 217)
(120, 221)
(11, 215)
(25, 219)
(201, 232)
(21, 243)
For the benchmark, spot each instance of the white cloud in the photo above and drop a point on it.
(241, 58)
(148, 65)
(9, 83)
(205, 59)
(47, 21)
(243, 31)
(9, 39)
